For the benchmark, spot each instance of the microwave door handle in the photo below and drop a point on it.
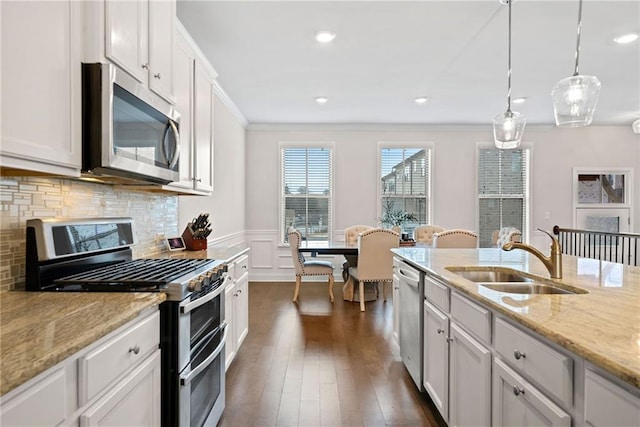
(176, 155)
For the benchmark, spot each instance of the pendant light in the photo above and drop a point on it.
(574, 98)
(509, 126)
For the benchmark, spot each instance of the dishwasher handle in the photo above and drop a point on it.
(409, 276)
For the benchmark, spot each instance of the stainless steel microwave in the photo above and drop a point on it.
(128, 132)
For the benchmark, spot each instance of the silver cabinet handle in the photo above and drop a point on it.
(197, 179)
(517, 390)
(518, 354)
(134, 350)
(145, 66)
(449, 339)
(440, 331)
(157, 76)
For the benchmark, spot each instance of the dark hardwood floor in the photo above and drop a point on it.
(320, 364)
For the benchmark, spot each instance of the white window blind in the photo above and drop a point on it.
(503, 191)
(307, 192)
(405, 175)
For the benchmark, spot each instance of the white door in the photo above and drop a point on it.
(436, 358)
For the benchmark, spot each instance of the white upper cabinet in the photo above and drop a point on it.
(137, 36)
(41, 86)
(194, 81)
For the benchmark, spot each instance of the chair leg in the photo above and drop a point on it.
(331, 287)
(384, 290)
(295, 293)
(361, 283)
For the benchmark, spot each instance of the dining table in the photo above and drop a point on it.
(349, 252)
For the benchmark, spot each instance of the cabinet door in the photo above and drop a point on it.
(469, 380)
(242, 310)
(162, 15)
(203, 128)
(607, 404)
(133, 402)
(517, 403)
(183, 77)
(41, 92)
(229, 314)
(126, 36)
(436, 358)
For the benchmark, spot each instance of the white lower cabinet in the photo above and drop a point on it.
(469, 380)
(518, 403)
(609, 404)
(396, 302)
(77, 391)
(436, 358)
(135, 401)
(237, 307)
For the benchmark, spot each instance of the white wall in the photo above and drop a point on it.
(554, 154)
(226, 205)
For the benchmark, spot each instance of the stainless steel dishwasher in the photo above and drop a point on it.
(411, 290)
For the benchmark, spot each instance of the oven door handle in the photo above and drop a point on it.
(186, 379)
(205, 299)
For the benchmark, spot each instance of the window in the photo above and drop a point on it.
(503, 192)
(405, 187)
(307, 191)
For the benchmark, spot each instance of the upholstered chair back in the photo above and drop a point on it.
(424, 233)
(506, 235)
(455, 238)
(298, 259)
(375, 260)
(351, 234)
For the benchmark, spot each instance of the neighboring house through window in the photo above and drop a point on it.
(503, 192)
(405, 172)
(307, 190)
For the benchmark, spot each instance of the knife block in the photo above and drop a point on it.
(190, 242)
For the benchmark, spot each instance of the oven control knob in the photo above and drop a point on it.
(194, 285)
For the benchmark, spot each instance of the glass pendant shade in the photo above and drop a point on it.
(508, 129)
(574, 100)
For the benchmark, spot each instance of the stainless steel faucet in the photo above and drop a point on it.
(553, 262)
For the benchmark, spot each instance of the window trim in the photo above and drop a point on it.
(526, 234)
(306, 144)
(426, 145)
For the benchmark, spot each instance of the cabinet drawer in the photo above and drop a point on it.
(474, 318)
(111, 359)
(607, 404)
(241, 267)
(436, 293)
(552, 370)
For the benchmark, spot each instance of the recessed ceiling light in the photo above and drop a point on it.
(322, 99)
(325, 36)
(421, 99)
(626, 38)
(519, 100)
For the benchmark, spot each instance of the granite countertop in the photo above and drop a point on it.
(225, 254)
(602, 326)
(40, 329)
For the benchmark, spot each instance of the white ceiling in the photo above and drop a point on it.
(387, 53)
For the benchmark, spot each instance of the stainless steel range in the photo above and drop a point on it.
(95, 255)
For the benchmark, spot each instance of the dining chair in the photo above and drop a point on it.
(375, 259)
(455, 238)
(351, 239)
(424, 233)
(305, 267)
(506, 235)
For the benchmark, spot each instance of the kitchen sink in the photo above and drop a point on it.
(513, 281)
(526, 288)
(491, 276)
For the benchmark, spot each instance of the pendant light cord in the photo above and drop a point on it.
(509, 72)
(578, 41)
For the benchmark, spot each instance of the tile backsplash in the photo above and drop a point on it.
(23, 198)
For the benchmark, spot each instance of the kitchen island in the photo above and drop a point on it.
(559, 359)
(603, 325)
